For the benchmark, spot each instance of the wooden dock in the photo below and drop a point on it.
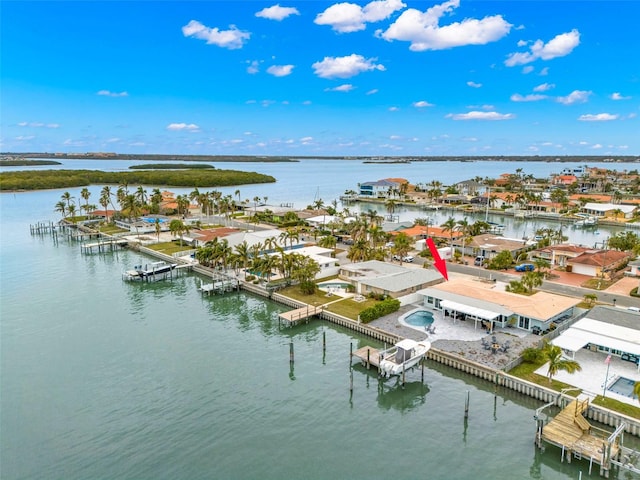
(103, 245)
(298, 315)
(571, 431)
(369, 356)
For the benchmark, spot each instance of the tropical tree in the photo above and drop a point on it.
(85, 194)
(72, 210)
(449, 226)
(243, 254)
(360, 251)
(106, 200)
(305, 271)
(463, 227)
(553, 355)
(178, 228)
(328, 241)
(61, 207)
(531, 280)
(67, 198)
(401, 245)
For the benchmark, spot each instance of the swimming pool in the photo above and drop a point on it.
(153, 220)
(334, 285)
(623, 386)
(419, 318)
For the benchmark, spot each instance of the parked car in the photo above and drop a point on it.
(479, 261)
(406, 258)
(525, 267)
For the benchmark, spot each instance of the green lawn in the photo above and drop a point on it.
(169, 248)
(111, 229)
(350, 308)
(318, 298)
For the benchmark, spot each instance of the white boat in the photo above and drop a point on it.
(587, 222)
(402, 356)
(150, 272)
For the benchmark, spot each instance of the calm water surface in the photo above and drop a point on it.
(106, 379)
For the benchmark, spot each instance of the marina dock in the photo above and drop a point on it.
(298, 315)
(220, 283)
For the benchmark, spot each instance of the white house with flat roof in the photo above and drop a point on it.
(485, 303)
(605, 329)
(387, 278)
(608, 210)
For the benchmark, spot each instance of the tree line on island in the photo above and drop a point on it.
(47, 179)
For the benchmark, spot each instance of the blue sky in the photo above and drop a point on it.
(387, 77)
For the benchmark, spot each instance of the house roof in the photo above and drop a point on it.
(599, 258)
(496, 243)
(564, 248)
(381, 183)
(606, 207)
(431, 231)
(404, 279)
(541, 305)
(211, 233)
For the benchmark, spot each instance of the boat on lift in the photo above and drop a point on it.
(402, 356)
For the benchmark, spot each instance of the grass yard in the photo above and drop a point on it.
(169, 248)
(318, 298)
(350, 308)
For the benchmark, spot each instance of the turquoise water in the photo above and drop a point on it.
(421, 318)
(101, 378)
(334, 285)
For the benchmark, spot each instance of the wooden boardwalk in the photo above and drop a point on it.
(571, 431)
(298, 315)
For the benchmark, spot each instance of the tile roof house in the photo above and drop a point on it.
(482, 301)
(489, 245)
(598, 263)
(557, 255)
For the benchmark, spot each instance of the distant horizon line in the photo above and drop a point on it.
(240, 157)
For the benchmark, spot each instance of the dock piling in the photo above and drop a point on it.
(466, 405)
(291, 357)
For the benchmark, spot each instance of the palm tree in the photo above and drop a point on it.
(67, 198)
(177, 227)
(449, 226)
(61, 207)
(105, 200)
(158, 228)
(463, 226)
(85, 194)
(553, 354)
(401, 245)
(328, 241)
(242, 251)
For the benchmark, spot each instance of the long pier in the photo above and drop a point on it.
(101, 245)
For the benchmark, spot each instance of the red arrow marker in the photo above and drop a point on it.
(439, 263)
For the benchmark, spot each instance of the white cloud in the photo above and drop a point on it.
(516, 97)
(559, 46)
(598, 117)
(347, 87)
(474, 84)
(345, 67)
(280, 70)
(522, 43)
(372, 91)
(190, 127)
(476, 115)
(231, 39)
(108, 93)
(422, 29)
(618, 96)
(543, 87)
(277, 12)
(422, 104)
(544, 72)
(527, 69)
(596, 146)
(349, 17)
(393, 109)
(38, 125)
(25, 137)
(577, 96)
(254, 67)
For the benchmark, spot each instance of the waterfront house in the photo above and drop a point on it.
(605, 329)
(598, 263)
(483, 302)
(489, 245)
(381, 278)
(385, 188)
(557, 255)
(198, 238)
(564, 180)
(609, 210)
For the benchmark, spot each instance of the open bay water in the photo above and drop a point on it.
(106, 379)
